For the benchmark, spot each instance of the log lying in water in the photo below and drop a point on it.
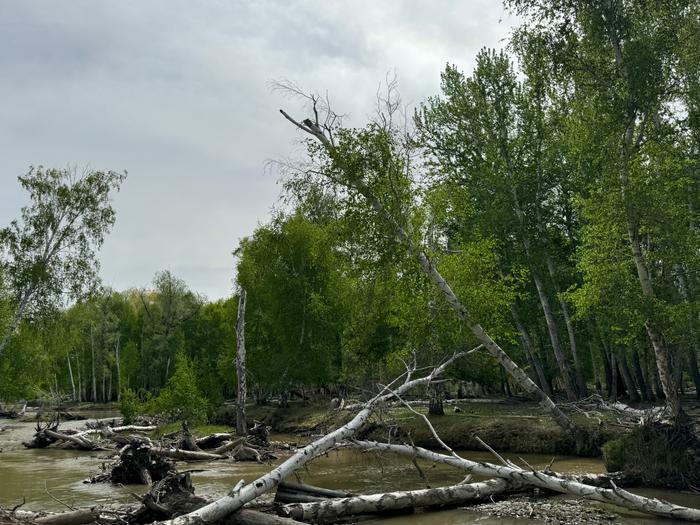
(301, 493)
(330, 510)
(73, 517)
(214, 440)
(615, 495)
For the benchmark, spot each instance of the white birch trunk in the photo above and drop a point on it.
(94, 379)
(70, 373)
(119, 370)
(619, 497)
(332, 509)
(241, 423)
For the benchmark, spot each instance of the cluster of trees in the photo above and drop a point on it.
(553, 191)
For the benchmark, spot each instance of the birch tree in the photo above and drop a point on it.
(50, 253)
(621, 61)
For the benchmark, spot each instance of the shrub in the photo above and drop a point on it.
(181, 399)
(129, 405)
(658, 454)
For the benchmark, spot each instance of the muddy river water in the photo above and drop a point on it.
(44, 476)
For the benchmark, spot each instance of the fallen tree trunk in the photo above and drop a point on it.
(187, 455)
(126, 428)
(229, 504)
(301, 493)
(214, 440)
(330, 510)
(73, 517)
(76, 439)
(425, 403)
(512, 472)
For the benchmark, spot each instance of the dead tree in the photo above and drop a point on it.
(241, 423)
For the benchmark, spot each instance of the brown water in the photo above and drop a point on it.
(45, 475)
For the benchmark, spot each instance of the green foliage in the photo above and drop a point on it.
(129, 405)
(181, 399)
(50, 253)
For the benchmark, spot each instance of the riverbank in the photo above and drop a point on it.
(506, 425)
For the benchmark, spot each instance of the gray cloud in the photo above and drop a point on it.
(177, 93)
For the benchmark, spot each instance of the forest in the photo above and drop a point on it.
(555, 188)
(539, 215)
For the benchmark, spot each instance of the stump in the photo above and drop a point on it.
(138, 464)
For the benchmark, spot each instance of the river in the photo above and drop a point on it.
(47, 477)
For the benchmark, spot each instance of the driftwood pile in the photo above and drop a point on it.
(141, 460)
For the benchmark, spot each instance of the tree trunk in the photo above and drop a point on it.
(594, 366)
(435, 407)
(627, 378)
(641, 381)
(94, 378)
(562, 362)
(613, 366)
(241, 423)
(80, 382)
(119, 369)
(578, 368)
(663, 358)
(543, 480)
(70, 373)
(335, 509)
(530, 353)
(694, 370)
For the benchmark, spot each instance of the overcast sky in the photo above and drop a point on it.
(177, 93)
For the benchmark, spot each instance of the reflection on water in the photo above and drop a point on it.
(29, 473)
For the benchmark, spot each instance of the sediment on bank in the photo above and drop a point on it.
(518, 426)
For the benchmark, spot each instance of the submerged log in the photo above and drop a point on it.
(330, 510)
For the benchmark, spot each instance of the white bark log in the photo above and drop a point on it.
(619, 497)
(73, 517)
(330, 510)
